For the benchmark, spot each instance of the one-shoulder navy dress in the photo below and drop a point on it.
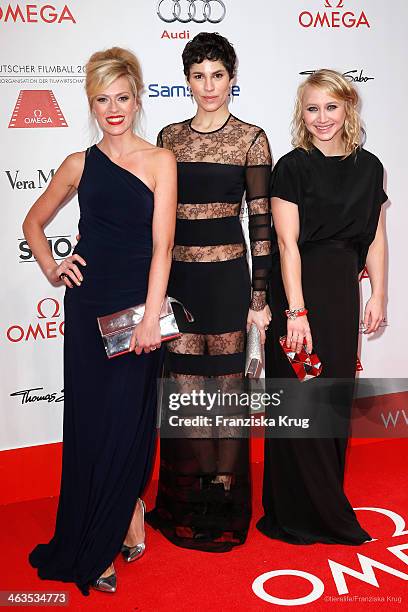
(109, 411)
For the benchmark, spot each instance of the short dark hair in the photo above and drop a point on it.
(211, 46)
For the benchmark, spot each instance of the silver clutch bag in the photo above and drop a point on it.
(117, 328)
(253, 359)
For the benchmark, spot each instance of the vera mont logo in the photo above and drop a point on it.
(37, 109)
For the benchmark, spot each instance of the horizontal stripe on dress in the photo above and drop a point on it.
(209, 254)
(206, 365)
(210, 210)
(206, 232)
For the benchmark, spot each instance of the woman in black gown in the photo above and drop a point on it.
(127, 197)
(326, 201)
(204, 497)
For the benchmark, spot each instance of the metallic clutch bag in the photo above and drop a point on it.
(117, 328)
(253, 359)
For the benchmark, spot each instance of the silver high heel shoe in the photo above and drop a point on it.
(107, 584)
(131, 553)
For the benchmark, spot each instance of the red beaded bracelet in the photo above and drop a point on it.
(297, 312)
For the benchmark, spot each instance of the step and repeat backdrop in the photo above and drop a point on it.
(43, 50)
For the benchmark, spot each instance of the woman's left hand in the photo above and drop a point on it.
(146, 336)
(261, 318)
(373, 314)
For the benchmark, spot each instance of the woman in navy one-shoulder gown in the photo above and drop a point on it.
(127, 197)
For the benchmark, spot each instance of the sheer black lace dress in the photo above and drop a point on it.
(204, 498)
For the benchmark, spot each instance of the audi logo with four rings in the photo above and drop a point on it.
(186, 11)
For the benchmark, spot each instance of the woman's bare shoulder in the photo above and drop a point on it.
(71, 169)
(163, 156)
(74, 162)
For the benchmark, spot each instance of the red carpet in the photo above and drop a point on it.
(169, 578)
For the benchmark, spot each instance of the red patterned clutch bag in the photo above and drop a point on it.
(305, 365)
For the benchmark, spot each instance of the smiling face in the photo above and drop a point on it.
(115, 107)
(324, 115)
(210, 84)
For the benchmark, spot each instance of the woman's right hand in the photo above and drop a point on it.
(298, 333)
(71, 274)
(146, 336)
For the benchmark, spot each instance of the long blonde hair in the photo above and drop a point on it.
(104, 67)
(337, 85)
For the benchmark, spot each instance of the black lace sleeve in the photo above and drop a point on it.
(164, 139)
(257, 173)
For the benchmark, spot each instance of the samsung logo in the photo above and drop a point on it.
(155, 90)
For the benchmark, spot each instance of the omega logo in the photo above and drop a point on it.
(53, 309)
(333, 18)
(48, 309)
(34, 13)
(340, 571)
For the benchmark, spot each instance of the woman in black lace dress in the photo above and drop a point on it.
(204, 499)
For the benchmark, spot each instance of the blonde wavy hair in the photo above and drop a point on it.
(340, 88)
(104, 67)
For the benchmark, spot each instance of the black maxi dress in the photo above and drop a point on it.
(210, 276)
(339, 204)
(109, 410)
